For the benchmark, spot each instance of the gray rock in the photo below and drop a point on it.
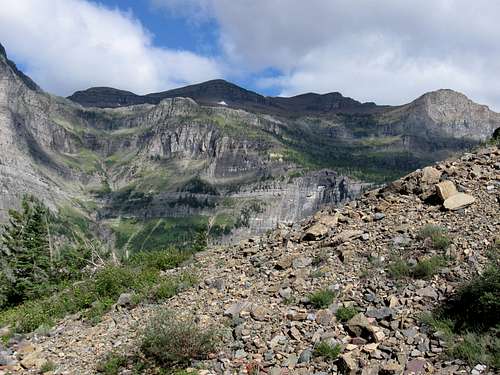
(428, 292)
(381, 313)
(305, 356)
(378, 216)
(291, 361)
(125, 299)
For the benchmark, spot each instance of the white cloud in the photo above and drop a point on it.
(70, 44)
(389, 51)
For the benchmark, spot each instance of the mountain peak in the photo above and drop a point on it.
(2, 51)
(9, 64)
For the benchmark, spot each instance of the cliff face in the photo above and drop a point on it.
(245, 165)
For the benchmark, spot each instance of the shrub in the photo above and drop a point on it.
(47, 367)
(169, 340)
(399, 269)
(111, 364)
(477, 303)
(470, 320)
(325, 349)
(322, 298)
(422, 270)
(160, 260)
(343, 314)
(437, 236)
(428, 267)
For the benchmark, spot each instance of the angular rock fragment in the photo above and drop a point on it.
(457, 201)
(445, 190)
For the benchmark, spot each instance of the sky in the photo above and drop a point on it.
(386, 51)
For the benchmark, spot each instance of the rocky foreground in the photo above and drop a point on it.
(258, 293)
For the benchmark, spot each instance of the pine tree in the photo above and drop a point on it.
(25, 250)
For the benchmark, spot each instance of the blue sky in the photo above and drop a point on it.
(386, 51)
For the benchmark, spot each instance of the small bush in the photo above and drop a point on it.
(111, 364)
(470, 320)
(322, 298)
(399, 269)
(343, 314)
(325, 349)
(170, 341)
(422, 270)
(47, 367)
(469, 348)
(437, 235)
(428, 267)
(477, 303)
(160, 260)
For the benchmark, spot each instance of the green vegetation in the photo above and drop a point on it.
(136, 235)
(111, 364)
(437, 236)
(170, 340)
(40, 283)
(30, 264)
(424, 269)
(344, 314)
(198, 186)
(48, 367)
(470, 320)
(322, 298)
(325, 349)
(95, 295)
(399, 269)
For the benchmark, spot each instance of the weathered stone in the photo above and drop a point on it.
(457, 201)
(346, 236)
(33, 360)
(359, 326)
(391, 368)
(415, 367)
(348, 365)
(315, 232)
(381, 313)
(427, 292)
(234, 310)
(324, 317)
(446, 189)
(301, 262)
(284, 262)
(259, 312)
(291, 361)
(430, 175)
(305, 356)
(125, 299)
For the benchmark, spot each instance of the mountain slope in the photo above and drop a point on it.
(259, 294)
(155, 173)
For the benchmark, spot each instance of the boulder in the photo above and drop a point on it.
(315, 232)
(346, 236)
(359, 326)
(348, 365)
(125, 299)
(430, 175)
(446, 189)
(457, 201)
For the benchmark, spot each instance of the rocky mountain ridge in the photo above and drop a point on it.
(219, 92)
(133, 167)
(260, 292)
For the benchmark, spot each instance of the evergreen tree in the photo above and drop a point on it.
(25, 253)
